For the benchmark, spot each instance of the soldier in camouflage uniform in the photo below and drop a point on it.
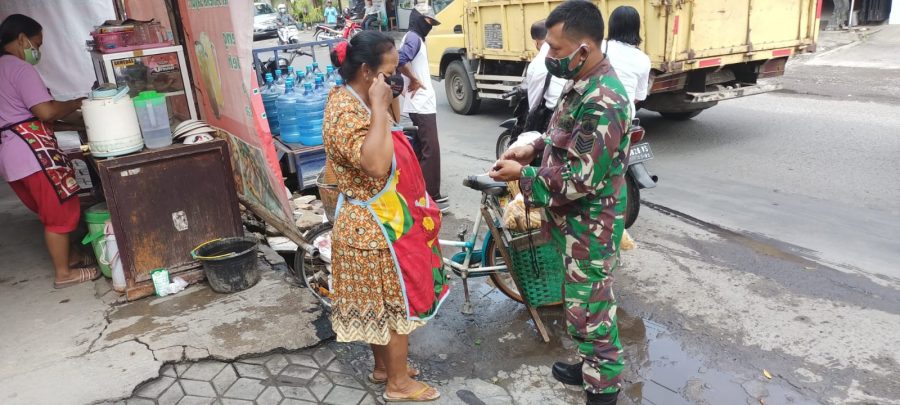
(581, 184)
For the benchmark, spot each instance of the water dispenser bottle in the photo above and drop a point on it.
(310, 75)
(270, 100)
(288, 118)
(279, 81)
(311, 111)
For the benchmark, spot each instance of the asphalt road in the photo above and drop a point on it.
(810, 172)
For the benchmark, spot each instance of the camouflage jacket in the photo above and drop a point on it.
(581, 180)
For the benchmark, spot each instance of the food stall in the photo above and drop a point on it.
(184, 70)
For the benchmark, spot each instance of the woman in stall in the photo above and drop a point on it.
(30, 159)
(386, 261)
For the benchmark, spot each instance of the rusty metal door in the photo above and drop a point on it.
(165, 202)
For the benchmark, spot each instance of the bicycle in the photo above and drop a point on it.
(468, 263)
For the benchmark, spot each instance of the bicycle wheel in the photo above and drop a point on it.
(503, 280)
(316, 273)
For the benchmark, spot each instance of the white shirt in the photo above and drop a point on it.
(535, 75)
(424, 101)
(633, 68)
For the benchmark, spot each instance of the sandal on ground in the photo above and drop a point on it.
(418, 396)
(84, 274)
(378, 381)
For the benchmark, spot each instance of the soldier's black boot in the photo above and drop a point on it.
(601, 399)
(569, 374)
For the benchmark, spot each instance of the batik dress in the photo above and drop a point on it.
(386, 263)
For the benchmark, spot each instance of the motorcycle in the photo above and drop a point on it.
(282, 63)
(342, 30)
(518, 101)
(637, 176)
(288, 34)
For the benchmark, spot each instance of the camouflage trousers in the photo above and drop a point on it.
(591, 321)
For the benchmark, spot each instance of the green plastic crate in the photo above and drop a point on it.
(539, 272)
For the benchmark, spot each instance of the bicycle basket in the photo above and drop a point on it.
(540, 272)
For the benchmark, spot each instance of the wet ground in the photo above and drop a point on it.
(499, 344)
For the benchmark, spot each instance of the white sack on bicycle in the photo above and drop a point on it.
(514, 217)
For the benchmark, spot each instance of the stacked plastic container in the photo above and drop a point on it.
(289, 117)
(270, 102)
(295, 102)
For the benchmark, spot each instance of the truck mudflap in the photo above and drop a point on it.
(733, 91)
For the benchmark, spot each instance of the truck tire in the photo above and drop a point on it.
(460, 95)
(680, 116)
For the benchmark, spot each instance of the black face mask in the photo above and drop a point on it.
(419, 24)
(396, 83)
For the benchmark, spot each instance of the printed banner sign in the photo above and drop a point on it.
(219, 41)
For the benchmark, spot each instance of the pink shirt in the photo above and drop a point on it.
(21, 88)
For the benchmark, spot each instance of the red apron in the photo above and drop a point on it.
(410, 221)
(54, 163)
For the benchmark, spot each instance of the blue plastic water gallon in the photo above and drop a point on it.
(330, 79)
(288, 119)
(310, 75)
(311, 112)
(279, 81)
(270, 99)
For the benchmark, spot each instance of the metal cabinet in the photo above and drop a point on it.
(163, 203)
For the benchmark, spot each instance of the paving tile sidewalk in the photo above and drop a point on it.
(313, 375)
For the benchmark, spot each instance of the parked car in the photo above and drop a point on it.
(264, 17)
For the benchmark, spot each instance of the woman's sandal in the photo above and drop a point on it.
(377, 381)
(85, 259)
(418, 396)
(84, 274)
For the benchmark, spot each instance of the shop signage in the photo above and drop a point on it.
(219, 39)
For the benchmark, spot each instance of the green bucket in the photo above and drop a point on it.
(95, 217)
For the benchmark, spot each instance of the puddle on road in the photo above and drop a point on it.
(500, 344)
(663, 372)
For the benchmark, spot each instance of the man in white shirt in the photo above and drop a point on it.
(537, 85)
(536, 73)
(420, 101)
(630, 63)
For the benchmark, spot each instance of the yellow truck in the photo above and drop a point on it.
(702, 51)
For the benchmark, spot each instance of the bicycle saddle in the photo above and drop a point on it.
(485, 184)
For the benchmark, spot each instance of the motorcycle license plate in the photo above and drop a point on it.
(639, 153)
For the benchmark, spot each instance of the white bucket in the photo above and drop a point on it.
(111, 256)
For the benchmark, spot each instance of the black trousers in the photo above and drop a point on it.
(429, 150)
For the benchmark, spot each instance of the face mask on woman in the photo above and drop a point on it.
(32, 54)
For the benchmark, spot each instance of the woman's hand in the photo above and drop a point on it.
(380, 93)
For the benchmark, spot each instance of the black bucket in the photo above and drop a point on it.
(231, 264)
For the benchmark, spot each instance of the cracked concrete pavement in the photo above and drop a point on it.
(88, 347)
